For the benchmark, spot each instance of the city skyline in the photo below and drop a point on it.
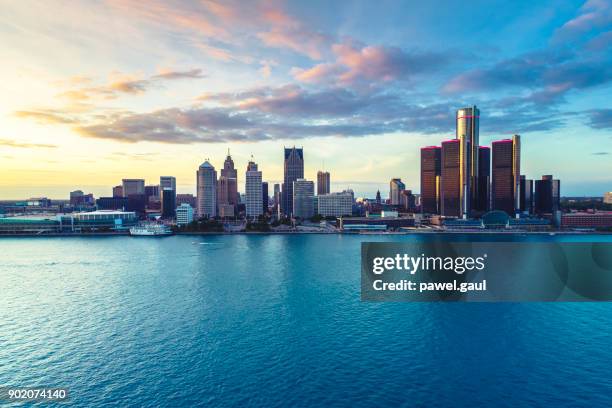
(154, 96)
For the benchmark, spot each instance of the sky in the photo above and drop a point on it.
(93, 92)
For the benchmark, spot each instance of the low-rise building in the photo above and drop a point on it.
(335, 204)
(184, 214)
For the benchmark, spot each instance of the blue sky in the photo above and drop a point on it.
(99, 91)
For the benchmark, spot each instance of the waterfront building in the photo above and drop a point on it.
(430, 179)
(396, 186)
(111, 203)
(152, 193)
(75, 197)
(74, 222)
(230, 176)
(303, 195)
(265, 199)
(526, 195)
(450, 185)
(253, 191)
(594, 219)
(336, 204)
(187, 199)
(408, 200)
(505, 180)
(118, 191)
(206, 182)
(323, 182)
(226, 210)
(378, 198)
(293, 170)
(277, 195)
(133, 187)
(483, 203)
(547, 195)
(467, 133)
(168, 202)
(184, 214)
(607, 198)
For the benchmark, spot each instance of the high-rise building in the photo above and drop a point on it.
(184, 214)
(152, 193)
(253, 191)
(168, 200)
(118, 191)
(430, 179)
(323, 182)
(277, 194)
(303, 198)
(265, 199)
(468, 122)
(206, 181)
(378, 198)
(450, 184)
(505, 180)
(76, 197)
(294, 170)
(547, 195)
(483, 180)
(186, 199)
(526, 195)
(230, 174)
(133, 187)
(408, 200)
(336, 204)
(396, 186)
(607, 197)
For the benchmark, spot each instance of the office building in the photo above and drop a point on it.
(430, 179)
(526, 195)
(336, 204)
(152, 193)
(75, 197)
(483, 180)
(118, 191)
(303, 198)
(450, 184)
(265, 199)
(168, 202)
(230, 176)
(186, 199)
(112, 203)
(408, 200)
(206, 182)
(505, 179)
(184, 214)
(395, 188)
(293, 170)
(468, 122)
(323, 182)
(133, 187)
(607, 198)
(253, 191)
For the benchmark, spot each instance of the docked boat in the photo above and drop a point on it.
(150, 230)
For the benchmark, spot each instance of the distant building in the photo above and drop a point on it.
(505, 182)
(184, 214)
(118, 191)
(152, 193)
(80, 199)
(378, 198)
(253, 191)
(336, 204)
(133, 187)
(597, 219)
(230, 175)
(206, 182)
(264, 197)
(75, 197)
(607, 198)
(226, 210)
(323, 182)
(168, 202)
(430, 179)
(303, 194)
(186, 199)
(467, 133)
(293, 170)
(112, 203)
(396, 186)
(450, 185)
(547, 195)
(408, 200)
(483, 201)
(526, 195)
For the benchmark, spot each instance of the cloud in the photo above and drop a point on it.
(46, 116)
(188, 74)
(600, 118)
(600, 153)
(358, 63)
(593, 14)
(13, 143)
(306, 42)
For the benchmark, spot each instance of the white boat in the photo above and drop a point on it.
(155, 230)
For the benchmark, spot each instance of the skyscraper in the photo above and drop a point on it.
(468, 122)
(230, 176)
(118, 191)
(294, 170)
(430, 179)
(484, 179)
(396, 186)
(505, 180)
(544, 195)
(526, 195)
(277, 194)
(450, 185)
(253, 191)
(206, 182)
(167, 186)
(133, 187)
(265, 199)
(303, 198)
(323, 182)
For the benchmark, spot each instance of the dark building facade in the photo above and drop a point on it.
(547, 195)
(168, 207)
(229, 177)
(430, 179)
(264, 196)
(323, 182)
(526, 195)
(450, 186)
(505, 179)
(293, 170)
(467, 132)
(111, 203)
(483, 180)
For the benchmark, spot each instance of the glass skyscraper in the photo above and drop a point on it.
(294, 170)
(468, 122)
(430, 179)
(450, 188)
